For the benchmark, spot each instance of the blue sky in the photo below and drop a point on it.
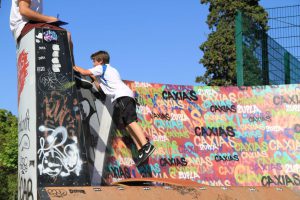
(153, 41)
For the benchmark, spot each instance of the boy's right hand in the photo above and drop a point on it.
(93, 78)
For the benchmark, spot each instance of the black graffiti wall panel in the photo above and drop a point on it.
(60, 151)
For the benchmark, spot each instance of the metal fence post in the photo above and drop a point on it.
(239, 48)
(265, 59)
(287, 68)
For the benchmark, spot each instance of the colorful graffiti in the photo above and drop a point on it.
(220, 136)
(22, 71)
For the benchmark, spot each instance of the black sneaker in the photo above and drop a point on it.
(139, 158)
(144, 153)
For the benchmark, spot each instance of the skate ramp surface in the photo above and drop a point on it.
(167, 192)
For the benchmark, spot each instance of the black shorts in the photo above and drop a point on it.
(124, 112)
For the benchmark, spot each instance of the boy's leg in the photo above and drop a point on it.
(145, 149)
(133, 136)
(129, 117)
(137, 134)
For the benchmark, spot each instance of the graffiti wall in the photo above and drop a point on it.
(95, 106)
(220, 136)
(60, 149)
(51, 142)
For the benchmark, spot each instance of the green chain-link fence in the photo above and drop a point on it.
(261, 59)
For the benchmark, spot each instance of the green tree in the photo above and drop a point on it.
(8, 154)
(219, 57)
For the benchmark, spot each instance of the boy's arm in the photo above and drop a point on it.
(95, 81)
(82, 71)
(93, 78)
(26, 11)
(88, 73)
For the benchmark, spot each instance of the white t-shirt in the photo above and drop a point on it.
(17, 21)
(111, 84)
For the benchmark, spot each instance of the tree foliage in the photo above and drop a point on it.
(8, 154)
(219, 57)
(8, 141)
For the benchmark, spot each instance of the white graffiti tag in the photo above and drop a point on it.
(58, 159)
